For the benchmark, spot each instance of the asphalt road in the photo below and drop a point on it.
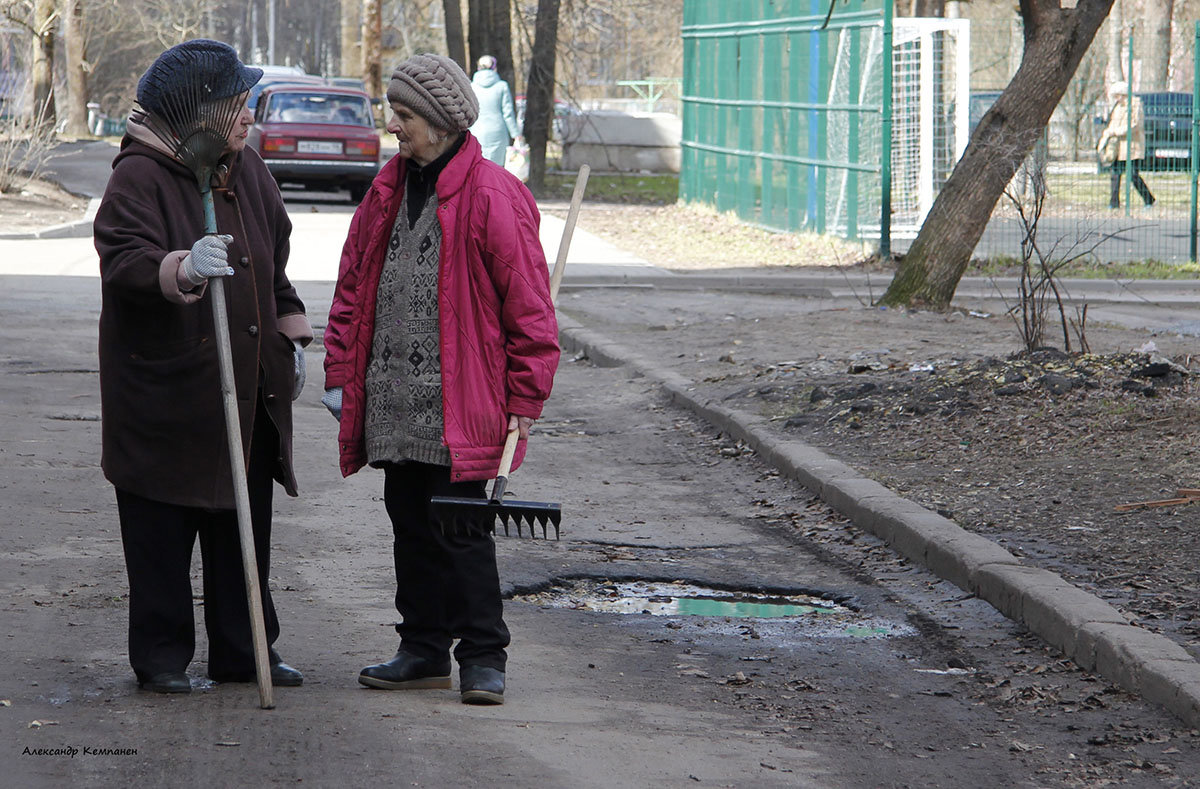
(916, 685)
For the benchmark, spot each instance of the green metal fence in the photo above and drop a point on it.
(784, 118)
(797, 125)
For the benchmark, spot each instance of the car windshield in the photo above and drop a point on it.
(319, 108)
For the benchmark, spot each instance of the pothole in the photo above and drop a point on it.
(814, 614)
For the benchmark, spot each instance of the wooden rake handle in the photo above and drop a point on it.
(506, 459)
(237, 461)
(564, 245)
(560, 263)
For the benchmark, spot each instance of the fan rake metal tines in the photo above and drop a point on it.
(193, 124)
(196, 102)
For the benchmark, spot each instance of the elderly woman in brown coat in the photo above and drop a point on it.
(164, 439)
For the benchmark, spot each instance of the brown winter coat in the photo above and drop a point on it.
(163, 422)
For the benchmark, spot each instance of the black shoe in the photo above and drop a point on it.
(407, 672)
(284, 676)
(481, 685)
(167, 682)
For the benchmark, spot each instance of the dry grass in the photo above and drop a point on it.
(694, 237)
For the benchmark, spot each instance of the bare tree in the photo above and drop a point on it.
(372, 46)
(351, 24)
(490, 33)
(77, 93)
(1156, 73)
(456, 45)
(540, 91)
(40, 19)
(935, 8)
(45, 28)
(1056, 39)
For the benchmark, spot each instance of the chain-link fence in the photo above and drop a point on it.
(1116, 157)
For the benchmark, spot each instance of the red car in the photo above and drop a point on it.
(317, 137)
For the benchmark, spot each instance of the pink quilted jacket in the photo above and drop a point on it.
(498, 331)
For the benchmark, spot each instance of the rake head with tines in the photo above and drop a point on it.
(480, 516)
(191, 98)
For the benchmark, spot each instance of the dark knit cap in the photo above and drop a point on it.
(199, 69)
(437, 89)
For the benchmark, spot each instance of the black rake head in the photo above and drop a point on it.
(191, 98)
(481, 516)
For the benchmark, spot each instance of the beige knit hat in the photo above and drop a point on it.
(437, 89)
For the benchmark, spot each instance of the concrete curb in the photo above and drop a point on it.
(1085, 628)
(80, 228)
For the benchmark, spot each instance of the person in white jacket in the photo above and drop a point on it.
(497, 123)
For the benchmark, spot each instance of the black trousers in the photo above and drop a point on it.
(447, 585)
(1118, 169)
(158, 540)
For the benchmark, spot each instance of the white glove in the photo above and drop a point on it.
(333, 401)
(301, 372)
(209, 258)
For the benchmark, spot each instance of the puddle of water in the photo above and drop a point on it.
(815, 614)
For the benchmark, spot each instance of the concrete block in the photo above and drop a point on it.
(919, 528)
(1175, 684)
(1120, 651)
(1005, 586)
(958, 556)
(609, 127)
(858, 498)
(623, 142)
(895, 515)
(808, 465)
(1058, 612)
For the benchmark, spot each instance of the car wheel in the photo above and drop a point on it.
(358, 192)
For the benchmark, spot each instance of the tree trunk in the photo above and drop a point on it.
(45, 25)
(1115, 71)
(1156, 73)
(352, 25)
(539, 91)
(478, 13)
(372, 46)
(77, 94)
(933, 8)
(1056, 40)
(501, 38)
(456, 46)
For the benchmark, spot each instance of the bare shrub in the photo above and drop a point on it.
(25, 144)
(1038, 287)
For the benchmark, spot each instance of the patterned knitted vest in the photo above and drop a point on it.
(404, 419)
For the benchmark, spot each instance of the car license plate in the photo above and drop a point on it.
(1171, 153)
(316, 146)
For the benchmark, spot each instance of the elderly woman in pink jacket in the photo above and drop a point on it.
(441, 339)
